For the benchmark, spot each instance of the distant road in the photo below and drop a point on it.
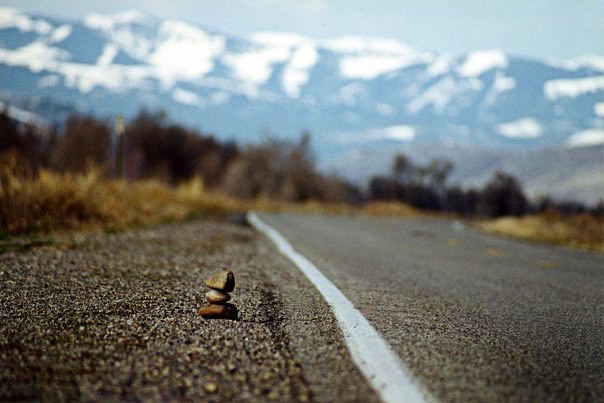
(475, 317)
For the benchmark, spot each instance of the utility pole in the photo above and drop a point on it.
(119, 146)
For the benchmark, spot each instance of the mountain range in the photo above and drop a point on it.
(362, 99)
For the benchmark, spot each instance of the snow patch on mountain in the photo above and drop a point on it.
(477, 63)
(349, 93)
(355, 44)
(35, 56)
(573, 88)
(61, 33)
(38, 56)
(586, 138)
(23, 116)
(503, 83)
(441, 65)
(109, 22)
(594, 62)
(182, 52)
(371, 66)
(280, 39)
(400, 133)
(13, 18)
(368, 58)
(116, 78)
(109, 52)
(438, 95)
(441, 93)
(526, 128)
(256, 66)
(186, 97)
(599, 109)
(230, 86)
(119, 29)
(296, 73)
(185, 52)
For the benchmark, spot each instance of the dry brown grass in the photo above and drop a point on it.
(386, 208)
(52, 200)
(582, 231)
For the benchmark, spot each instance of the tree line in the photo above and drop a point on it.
(425, 187)
(154, 147)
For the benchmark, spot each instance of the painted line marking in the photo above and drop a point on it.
(371, 353)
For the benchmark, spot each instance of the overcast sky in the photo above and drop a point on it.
(534, 28)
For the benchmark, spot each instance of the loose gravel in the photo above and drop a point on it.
(90, 317)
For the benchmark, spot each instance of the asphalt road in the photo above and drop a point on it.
(475, 317)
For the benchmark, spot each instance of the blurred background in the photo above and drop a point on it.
(474, 107)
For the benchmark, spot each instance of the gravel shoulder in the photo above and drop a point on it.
(114, 317)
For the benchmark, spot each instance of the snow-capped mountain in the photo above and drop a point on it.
(350, 93)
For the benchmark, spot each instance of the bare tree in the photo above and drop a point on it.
(502, 196)
(86, 142)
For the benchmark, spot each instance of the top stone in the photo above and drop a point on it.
(223, 281)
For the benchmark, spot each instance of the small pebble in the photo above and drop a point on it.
(214, 311)
(217, 297)
(210, 387)
(223, 281)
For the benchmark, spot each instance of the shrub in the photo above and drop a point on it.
(503, 196)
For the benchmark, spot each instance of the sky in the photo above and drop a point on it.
(558, 29)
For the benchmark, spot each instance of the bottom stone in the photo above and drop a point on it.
(215, 311)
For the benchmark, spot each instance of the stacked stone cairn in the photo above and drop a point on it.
(220, 284)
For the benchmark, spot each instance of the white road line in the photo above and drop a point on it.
(374, 357)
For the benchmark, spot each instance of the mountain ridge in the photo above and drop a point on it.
(351, 93)
(358, 83)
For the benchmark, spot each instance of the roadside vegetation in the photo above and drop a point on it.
(82, 175)
(583, 230)
(51, 200)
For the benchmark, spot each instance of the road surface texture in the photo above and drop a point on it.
(475, 317)
(89, 317)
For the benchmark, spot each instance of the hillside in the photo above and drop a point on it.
(353, 94)
(565, 173)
